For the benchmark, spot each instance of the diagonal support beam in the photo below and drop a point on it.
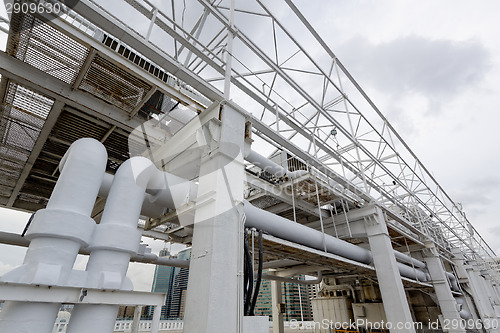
(85, 68)
(44, 134)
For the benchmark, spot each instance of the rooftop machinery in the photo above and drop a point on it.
(212, 123)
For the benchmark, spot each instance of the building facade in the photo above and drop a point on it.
(173, 282)
(295, 297)
(163, 282)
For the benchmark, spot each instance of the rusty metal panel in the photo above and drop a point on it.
(40, 45)
(115, 85)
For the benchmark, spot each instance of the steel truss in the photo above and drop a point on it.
(289, 79)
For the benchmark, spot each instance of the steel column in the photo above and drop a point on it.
(215, 287)
(277, 301)
(391, 287)
(447, 302)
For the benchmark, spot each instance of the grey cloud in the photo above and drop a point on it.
(478, 199)
(495, 231)
(479, 192)
(434, 68)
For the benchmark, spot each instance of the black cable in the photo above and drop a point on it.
(248, 285)
(250, 276)
(259, 277)
(28, 224)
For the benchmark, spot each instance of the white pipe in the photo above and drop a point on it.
(463, 308)
(408, 260)
(276, 225)
(412, 273)
(149, 208)
(298, 233)
(286, 229)
(14, 239)
(164, 191)
(275, 169)
(452, 281)
(269, 166)
(148, 258)
(57, 233)
(115, 240)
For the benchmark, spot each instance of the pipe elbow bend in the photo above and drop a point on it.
(87, 150)
(141, 170)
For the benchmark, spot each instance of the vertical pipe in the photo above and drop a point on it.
(116, 238)
(57, 233)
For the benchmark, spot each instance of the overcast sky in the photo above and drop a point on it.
(433, 68)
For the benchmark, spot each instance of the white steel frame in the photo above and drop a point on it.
(339, 130)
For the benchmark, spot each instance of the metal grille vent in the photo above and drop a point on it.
(143, 62)
(46, 48)
(138, 59)
(22, 117)
(114, 85)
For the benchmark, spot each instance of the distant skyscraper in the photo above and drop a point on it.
(295, 297)
(163, 282)
(173, 282)
(179, 288)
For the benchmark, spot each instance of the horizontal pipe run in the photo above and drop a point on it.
(277, 170)
(15, 239)
(295, 232)
(283, 228)
(406, 259)
(149, 258)
(271, 167)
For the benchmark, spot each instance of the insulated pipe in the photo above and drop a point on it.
(148, 258)
(277, 170)
(401, 257)
(164, 191)
(279, 226)
(148, 207)
(269, 166)
(57, 233)
(463, 308)
(115, 240)
(267, 221)
(412, 273)
(297, 233)
(452, 281)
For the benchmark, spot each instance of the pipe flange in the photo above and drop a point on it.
(61, 224)
(116, 237)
